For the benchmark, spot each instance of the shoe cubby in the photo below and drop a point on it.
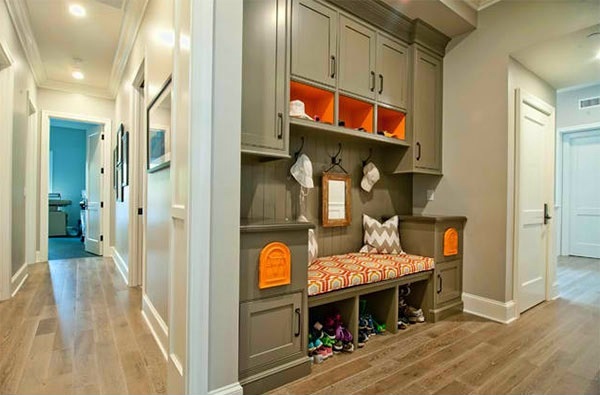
(391, 121)
(348, 308)
(383, 307)
(355, 114)
(317, 102)
(417, 297)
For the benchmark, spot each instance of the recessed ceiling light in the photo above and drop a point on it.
(77, 10)
(598, 55)
(78, 75)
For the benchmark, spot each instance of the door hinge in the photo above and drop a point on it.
(102, 136)
(101, 237)
(101, 204)
(102, 170)
(140, 211)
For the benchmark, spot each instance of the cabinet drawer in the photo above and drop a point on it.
(448, 281)
(270, 330)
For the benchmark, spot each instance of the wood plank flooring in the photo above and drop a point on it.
(76, 328)
(553, 348)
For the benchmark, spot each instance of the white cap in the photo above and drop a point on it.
(297, 110)
(302, 171)
(371, 176)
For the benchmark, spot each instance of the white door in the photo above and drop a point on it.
(534, 176)
(584, 196)
(93, 187)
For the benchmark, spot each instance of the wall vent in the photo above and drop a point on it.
(589, 102)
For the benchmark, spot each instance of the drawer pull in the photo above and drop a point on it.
(372, 88)
(440, 286)
(299, 320)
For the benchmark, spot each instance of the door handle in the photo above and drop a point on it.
(332, 66)
(440, 286)
(372, 81)
(380, 84)
(280, 126)
(546, 215)
(418, 151)
(299, 321)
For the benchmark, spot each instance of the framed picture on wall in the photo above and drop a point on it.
(125, 162)
(159, 130)
(120, 132)
(116, 172)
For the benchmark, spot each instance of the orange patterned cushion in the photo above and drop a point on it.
(330, 273)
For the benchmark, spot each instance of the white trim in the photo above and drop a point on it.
(6, 141)
(479, 5)
(120, 264)
(176, 363)
(31, 193)
(579, 128)
(17, 281)
(157, 326)
(231, 389)
(106, 184)
(72, 87)
(503, 312)
(578, 87)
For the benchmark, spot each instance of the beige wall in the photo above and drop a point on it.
(477, 135)
(23, 83)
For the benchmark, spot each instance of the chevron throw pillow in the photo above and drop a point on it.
(381, 238)
(313, 246)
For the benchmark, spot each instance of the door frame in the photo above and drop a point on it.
(551, 288)
(6, 136)
(31, 195)
(106, 182)
(563, 154)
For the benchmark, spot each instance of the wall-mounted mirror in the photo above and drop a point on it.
(336, 200)
(159, 129)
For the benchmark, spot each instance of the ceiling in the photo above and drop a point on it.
(566, 61)
(57, 43)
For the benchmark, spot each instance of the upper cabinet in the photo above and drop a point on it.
(265, 76)
(357, 58)
(427, 111)
(392, 72)
(314, 42)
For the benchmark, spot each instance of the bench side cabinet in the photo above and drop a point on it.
(424, 235)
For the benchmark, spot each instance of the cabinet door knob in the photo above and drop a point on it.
(299, 322)
(280, 126)
(372, 81)
(380, 84)
(440, 286)
(418, 151)
(332, 66)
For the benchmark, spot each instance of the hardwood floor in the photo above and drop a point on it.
(76, 328)
(553, 348)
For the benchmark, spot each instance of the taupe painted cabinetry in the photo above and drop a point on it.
(392, 72)
(357, 58)
(426, 235)
(273, 319)
(265, 76)
(427, 111)
(314, 42)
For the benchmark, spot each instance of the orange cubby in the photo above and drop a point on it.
(391, 121)
(356, 113)
(317, 102)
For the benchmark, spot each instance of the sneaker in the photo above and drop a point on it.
(348, 347)
(347, 336)
(338, 346)
(402, 325)
(322, 351)
(318, 330)
(362, 339)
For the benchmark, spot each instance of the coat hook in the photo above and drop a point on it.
(335, 162)
(365, 161)
(297, 153)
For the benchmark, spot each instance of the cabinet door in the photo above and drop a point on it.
(427, 126)
(392, 72)
(448, 281)
(264, 76)
(270, 329)
(357, 58)
(314, 41)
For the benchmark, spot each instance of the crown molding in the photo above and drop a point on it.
(479, 5)
(19, 14)
(81, 89)
(133, 15)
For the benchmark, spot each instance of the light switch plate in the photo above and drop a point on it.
(430, 195)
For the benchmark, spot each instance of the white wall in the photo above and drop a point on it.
(75, 103)
(23, 84)
(567, 107)
(477, 179)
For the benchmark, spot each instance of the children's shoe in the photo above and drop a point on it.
(318, 343)
(402, 325)
(311, 347)
(322, 351)
(338, 346)
(348, 347)
(362, 339)
(347, 336)
(318, 330)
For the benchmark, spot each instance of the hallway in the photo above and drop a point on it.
(75, 327)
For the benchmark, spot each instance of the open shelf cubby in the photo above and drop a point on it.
(391, 121)
(317, 102)
(355, 113)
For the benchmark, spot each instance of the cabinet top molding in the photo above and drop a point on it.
(393, 22)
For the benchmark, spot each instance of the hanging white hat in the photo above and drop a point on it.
(302, 171)
(297, 110)
(371, 176)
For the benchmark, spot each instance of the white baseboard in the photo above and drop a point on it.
(121, 264)
(503, 312)
(231, 389)
(157, 326)
(38, 257)
(17, 281)
(554, 293)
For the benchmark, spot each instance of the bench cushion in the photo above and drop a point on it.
(330, 273)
